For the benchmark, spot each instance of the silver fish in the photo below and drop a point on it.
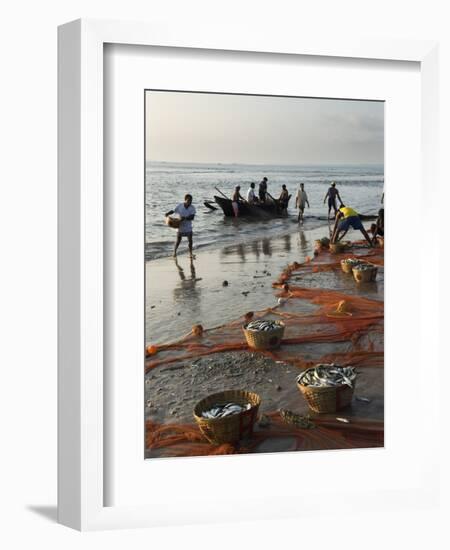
(222, 411)
(363, 399)
(327, 375)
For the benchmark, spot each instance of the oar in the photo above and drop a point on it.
(223, 194)
(209, 205)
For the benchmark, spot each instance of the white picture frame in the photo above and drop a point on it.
(82, 483)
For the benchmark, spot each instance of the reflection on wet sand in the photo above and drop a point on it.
(241, 251)
(303, 243)
(267, 247)
(255, 249)
(287, 242)
(187, 290)
(178, 298)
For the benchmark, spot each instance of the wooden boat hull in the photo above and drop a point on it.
(266, 210)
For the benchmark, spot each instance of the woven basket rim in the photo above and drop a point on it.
(324, 388)
(372, 266)
(221, 396)
(279, 323)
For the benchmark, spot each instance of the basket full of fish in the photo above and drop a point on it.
(228, 416)
(347, 264)
(264, 333)
(365, 272)
(327, 388)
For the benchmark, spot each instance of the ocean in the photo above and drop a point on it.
(360, 186)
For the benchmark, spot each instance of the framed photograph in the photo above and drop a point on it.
(231, 313)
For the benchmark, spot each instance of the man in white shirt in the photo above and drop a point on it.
(301, 200)
(186, 211)
(251, 197)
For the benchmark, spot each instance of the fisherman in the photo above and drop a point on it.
(377, 228)
(301, 200)
(262, 190)
(283, 198)
(235, 200)
(347, 217)
(251, 197)
(186, 211)
(332, 193)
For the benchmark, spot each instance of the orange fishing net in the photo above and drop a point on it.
(187, 440)
(323, 325)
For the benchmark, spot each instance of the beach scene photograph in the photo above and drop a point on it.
(264, 274)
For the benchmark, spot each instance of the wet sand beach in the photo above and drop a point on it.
(181, 293)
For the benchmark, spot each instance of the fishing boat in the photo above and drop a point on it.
(269, 209)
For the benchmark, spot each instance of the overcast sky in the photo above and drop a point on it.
(192, 127)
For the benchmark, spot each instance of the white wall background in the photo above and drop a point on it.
(28, 264)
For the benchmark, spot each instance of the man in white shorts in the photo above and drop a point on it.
(186, 211)
(301, 200)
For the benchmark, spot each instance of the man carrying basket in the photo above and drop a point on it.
(186, 211)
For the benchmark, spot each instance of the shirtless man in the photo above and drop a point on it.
(283, 198)
(262, 191)
(332, 193)
(235, 200)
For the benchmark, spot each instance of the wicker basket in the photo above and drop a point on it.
(234, 427)
(337, 248)
(264, 339)
(322, 243)
(346, 267)
(173, 222)
(365, 276)
(327, 399)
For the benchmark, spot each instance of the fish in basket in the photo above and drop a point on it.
(327, 388)
(228, 416)
(364, 273)
(172, 222)
(264, 334)
(347, 264)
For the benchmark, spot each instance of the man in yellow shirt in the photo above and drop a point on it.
(347, 217)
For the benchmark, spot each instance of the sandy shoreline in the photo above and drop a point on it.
(180, 294)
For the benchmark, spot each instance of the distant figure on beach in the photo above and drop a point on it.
(251, 197)
(332, 194)
(262, 190)
(186, 211)
(347, 217)
(235, 200)
(377, 228)
(301, 200)
(283, 199)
